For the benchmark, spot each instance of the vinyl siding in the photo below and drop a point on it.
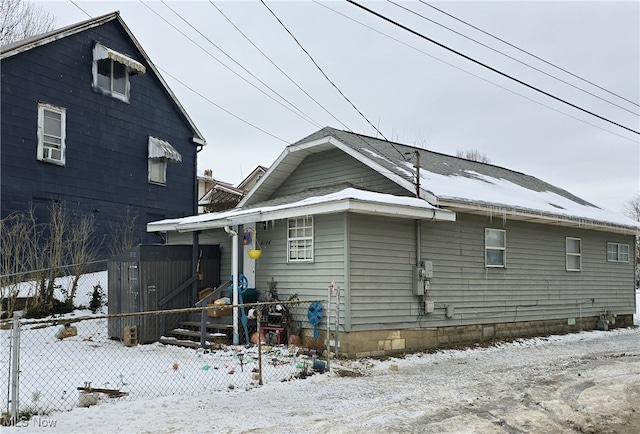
(106, 139)
(334, 167)
(308, 280)
(534, 285)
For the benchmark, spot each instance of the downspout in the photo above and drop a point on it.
(418, 222)
(195, 184)
(234, 272)
(195, 249)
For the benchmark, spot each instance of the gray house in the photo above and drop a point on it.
(446, 252)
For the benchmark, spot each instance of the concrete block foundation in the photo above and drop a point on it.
(377, 343)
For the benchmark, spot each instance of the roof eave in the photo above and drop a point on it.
(539, 217)
(342, 205)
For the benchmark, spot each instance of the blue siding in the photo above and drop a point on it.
(106, 139)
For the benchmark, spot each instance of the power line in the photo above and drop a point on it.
(497, 71)
(530, 54)
(222, 63)
(204, 97)
(320, 69)
(472, 74)
(76, 5)
(237, 63)
(220, 107)
(513, 58)
(277, 67)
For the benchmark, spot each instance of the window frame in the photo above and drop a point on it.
(618, 253)
(569, 254)
(488, 248)
(111, 91)
(307, 251)
(112, 57)
(158, 165)
(42, 134)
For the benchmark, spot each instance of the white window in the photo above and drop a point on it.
(617, 252)
(51, 133)
(111, 72)
(158, 171)
(495, 247)
(574, 254)
(160, 153)
(300, 239)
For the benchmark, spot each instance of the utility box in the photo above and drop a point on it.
(141, 277)
(449, 312)
(422, 275)
(429, 306)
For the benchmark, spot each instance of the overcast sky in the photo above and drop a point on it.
(412, 90)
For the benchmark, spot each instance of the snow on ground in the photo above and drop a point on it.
(586, 382)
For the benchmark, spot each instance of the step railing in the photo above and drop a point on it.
(204, 312)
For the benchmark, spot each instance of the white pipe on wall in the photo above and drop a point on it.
(236, 284)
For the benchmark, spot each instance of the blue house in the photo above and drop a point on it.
(88, 121)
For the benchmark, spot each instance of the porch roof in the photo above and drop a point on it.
(346, 200)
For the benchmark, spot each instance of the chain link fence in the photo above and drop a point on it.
(84, 358)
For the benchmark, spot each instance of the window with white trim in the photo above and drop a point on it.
(300, 239)
(573, 254)
(111, 71)
(617, 252)
(158, 171)
(495, 247)
(51, 133)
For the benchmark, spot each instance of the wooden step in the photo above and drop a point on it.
(183, 343)
(209, 325)
(196, 334)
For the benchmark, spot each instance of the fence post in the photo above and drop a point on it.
(15, 366)
(336, 340)
(258, 316)
(331, 286)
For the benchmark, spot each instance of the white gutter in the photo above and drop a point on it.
(236, 284)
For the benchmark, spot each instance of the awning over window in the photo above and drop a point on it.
(102, 52)
(161, 149)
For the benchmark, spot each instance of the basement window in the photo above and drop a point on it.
(51, 134)
(617, 252)
(111, 71)
(300, 239)
(574, 254)
(495, 248)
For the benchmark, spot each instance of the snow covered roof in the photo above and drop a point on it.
(451, 182)
(345, 200)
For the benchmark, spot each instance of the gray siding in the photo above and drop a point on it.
(382, 255)
(533, 286)
(308, 280)
(334, 167)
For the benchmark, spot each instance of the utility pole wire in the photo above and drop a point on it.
(497, 71)
(472, 74)
(323, 73)
(277, 67)
(530, 54)
(514, 59)
(238, 63)
(164, 71)
(226, 66)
